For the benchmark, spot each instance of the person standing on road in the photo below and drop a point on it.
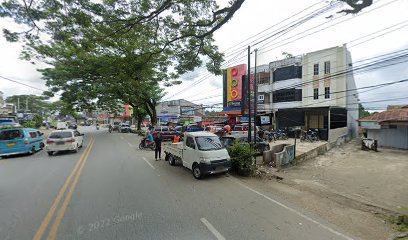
(158, 140)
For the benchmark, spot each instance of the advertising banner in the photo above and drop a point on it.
(234, 83)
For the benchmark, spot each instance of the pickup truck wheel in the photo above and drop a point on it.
(197, 172)
(171, 160)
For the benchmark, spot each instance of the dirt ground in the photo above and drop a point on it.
(350, 188)
(377, 178)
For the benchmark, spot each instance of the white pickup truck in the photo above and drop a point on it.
(201, 152)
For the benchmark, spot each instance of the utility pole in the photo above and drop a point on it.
(249, 93)
(18, 104)
(27, 104)
(255, 96)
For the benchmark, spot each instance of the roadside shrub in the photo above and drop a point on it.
(38, 121)
(29, 124)
(242, 157)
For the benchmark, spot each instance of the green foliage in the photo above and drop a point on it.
(38, 120)
(363, 113)
(242, 157)
(35, 104)
(118, 51)
(29, 124)
(63, 108)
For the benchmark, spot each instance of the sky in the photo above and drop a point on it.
(386, 18)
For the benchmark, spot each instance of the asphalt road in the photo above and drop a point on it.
(113, 190)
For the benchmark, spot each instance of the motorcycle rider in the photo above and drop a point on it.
(149, 139)
(97, 126)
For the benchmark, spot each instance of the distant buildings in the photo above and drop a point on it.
(313, 91)
(389, 128)
(1, 99)
(174, 110)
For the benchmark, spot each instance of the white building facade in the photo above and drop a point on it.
(314, 91)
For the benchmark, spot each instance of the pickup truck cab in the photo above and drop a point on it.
(201, 152)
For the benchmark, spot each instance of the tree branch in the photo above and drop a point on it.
(356, 6)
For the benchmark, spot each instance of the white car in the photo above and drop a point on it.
(64, 140)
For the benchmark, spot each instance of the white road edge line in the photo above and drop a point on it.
(148, 163)
(130, 145)
(212, 229)
(294, 211)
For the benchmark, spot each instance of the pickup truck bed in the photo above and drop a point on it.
(175, 149)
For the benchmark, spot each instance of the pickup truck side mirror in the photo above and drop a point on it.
(81, 134)
(41, 133)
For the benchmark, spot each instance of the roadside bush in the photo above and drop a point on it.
(29, 124)
(242, 157)
(38, 121)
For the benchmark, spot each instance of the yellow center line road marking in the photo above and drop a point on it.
(40, 231)
(60, 215)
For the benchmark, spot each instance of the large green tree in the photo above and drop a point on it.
(101, 51)
(30, 103)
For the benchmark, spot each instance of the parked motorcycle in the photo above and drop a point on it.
(310, 136)
(143, 145)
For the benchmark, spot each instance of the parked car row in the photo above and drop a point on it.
(19, 140)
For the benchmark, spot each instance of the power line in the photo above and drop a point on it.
(312, 15)
(364, 67)
(24, 84)
(274, 25)
(374, 65)
(209, 75)
(319, 30)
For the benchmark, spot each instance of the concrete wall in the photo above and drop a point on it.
(334, 134)
(351, 100)
(390, 137)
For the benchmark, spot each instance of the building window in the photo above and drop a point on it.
(285, 73)
(263, 77)
(316, 93)
(287, 95)
(326, 67)
(327, 92)
(261, 97)
(316, 69)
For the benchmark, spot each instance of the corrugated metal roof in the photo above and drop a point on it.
(399, 115)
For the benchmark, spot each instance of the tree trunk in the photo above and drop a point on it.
(151, 111)
(139, 121)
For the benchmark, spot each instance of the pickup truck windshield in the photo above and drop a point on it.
(208, 143)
